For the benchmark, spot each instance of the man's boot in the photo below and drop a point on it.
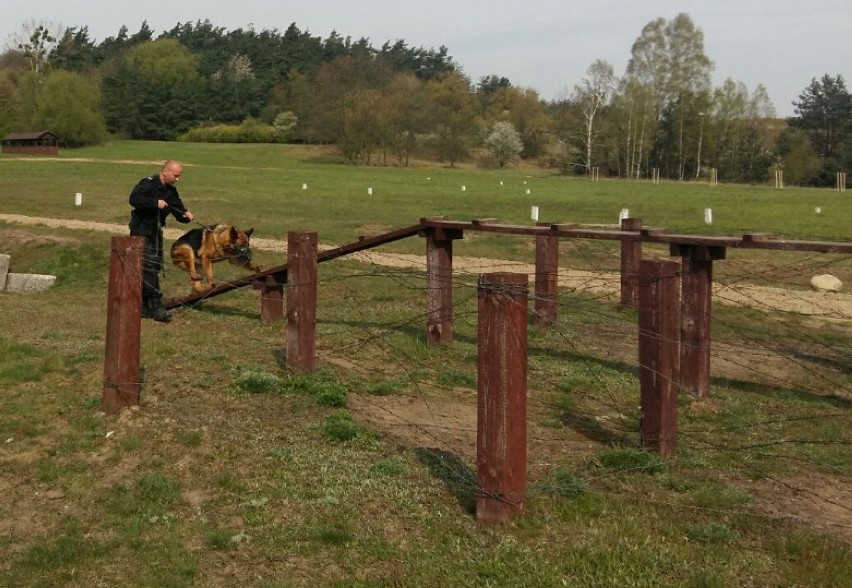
(153, 309)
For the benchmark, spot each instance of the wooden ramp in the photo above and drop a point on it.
(278, 274)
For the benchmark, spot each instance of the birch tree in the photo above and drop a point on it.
(590, 97)
(668, 58)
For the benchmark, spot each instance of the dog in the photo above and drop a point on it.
(208, 245)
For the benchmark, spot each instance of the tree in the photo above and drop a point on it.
(520, 106)
(153, 91)
(824, 111)
(359, 133)
(453, 110)
(36, 43)
(668, 58)
(405, 114)
(284, 126)
(9, 105)
(74, 51)
(504, 143)
(634, 124)
(591, 96)
(67, 106)
(800, 162)
(236, 92)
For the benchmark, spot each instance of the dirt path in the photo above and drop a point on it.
(830, 305)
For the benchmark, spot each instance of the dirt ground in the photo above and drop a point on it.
(820, 502)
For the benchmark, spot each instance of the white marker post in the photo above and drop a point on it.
(708, 216)
(625, 213)
(78, 199)
(370, 191)
(304, 186)
(534, 213)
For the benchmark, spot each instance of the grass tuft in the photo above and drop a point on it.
(257, 381)
(323, 386)
(711, 533)
(339, 426)
(629, 460)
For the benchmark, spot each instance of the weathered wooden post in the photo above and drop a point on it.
(301, 300)
(546, 278)
(631, 256)
(501, 426)
(123, 328)
(272, 298)
(697, 294)
(659, 331)
(439, 284)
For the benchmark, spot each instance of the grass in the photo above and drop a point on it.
(235, 471)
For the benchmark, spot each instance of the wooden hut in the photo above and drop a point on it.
(31, 143)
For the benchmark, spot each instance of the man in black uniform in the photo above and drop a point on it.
(153, 199)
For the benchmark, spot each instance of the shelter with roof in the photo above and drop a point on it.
(31, 143)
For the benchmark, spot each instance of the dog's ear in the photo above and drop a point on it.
(234, 234)
(249, 232)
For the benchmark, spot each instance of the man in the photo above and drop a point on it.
(153, 199)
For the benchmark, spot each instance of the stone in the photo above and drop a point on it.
(4, 268)
(826, 283)
(29, 283)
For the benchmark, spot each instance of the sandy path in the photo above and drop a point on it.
(830, 305)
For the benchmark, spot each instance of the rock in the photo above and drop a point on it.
(29, 283)
(826, 283)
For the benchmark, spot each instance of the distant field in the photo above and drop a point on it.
(262, 186)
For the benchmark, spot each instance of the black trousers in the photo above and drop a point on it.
(152, 265)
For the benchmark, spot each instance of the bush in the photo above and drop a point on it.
(249, 131)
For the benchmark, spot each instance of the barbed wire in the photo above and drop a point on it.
(600, 409)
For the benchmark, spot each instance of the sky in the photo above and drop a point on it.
(546, 45)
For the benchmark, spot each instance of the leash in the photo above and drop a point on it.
(173, 209)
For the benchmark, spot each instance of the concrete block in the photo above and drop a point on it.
(4, 268)
(29, 283)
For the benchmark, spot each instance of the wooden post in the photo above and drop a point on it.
(272, 299)
(659, 329)
(501, 426)
(123, 329)
(631, 255)
(696, 315)
(546, 278)
(301, 300)
(439, 285)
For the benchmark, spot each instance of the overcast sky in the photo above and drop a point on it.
(546, 45)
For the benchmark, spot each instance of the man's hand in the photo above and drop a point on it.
(161, 204)
(188, 216)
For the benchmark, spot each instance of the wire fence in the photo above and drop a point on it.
(776, 349)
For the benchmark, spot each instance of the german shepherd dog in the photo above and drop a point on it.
(209, 245)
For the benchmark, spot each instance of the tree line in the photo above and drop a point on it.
(391, 104)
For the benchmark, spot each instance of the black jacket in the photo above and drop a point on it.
(145, 218)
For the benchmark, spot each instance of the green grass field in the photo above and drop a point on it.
(261, 186)
(234, 471)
